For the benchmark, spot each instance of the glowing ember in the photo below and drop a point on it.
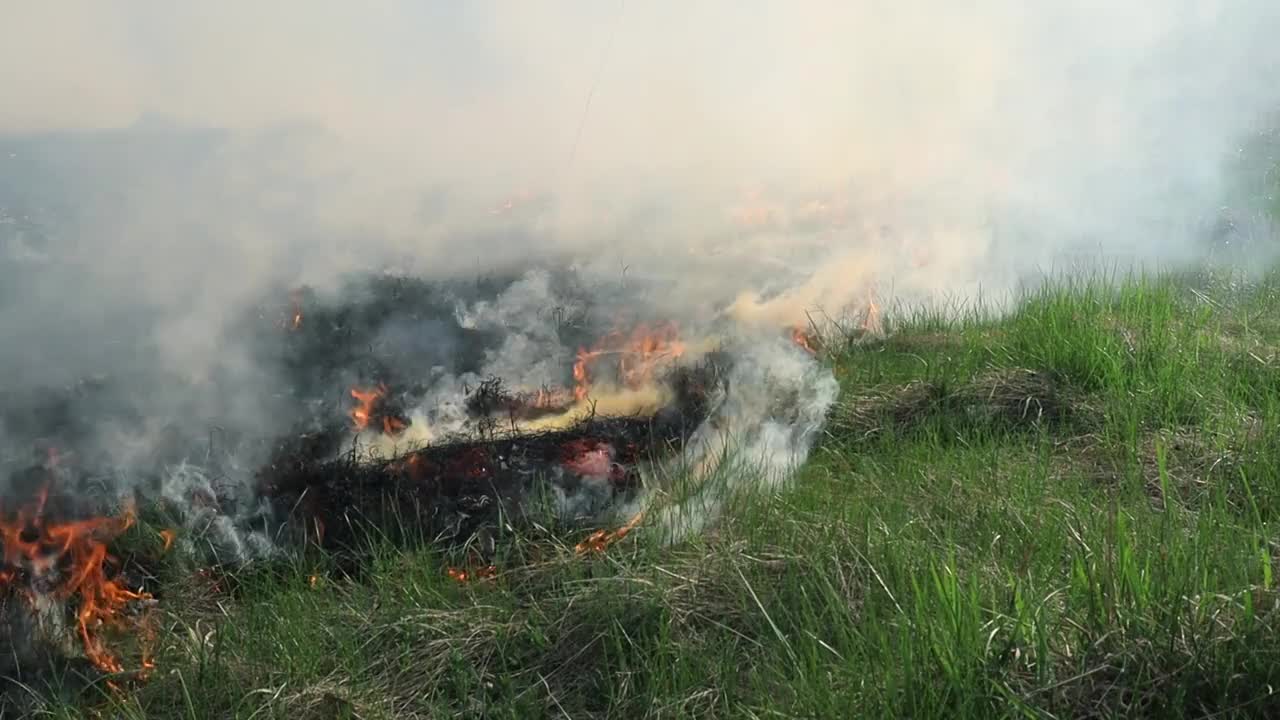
(638, 355)
(293, 320)
(70, 557)
(600, 540)
(463, 576)
(805, 340)
(593, 459)
(410, 466)
(512, 203)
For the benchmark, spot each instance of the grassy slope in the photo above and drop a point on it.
(1114, 559)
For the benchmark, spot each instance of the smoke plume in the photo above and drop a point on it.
(165, 167)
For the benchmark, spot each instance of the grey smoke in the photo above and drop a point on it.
(164, 167)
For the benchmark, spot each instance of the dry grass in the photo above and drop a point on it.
(1012, 399)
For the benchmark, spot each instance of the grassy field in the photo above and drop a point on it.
(1068, 510)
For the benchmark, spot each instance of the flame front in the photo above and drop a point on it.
(364, 411)
(71, 557)
(365, 400)
(638, 354)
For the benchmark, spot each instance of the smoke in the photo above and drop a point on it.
(396, 126)
(164, 167)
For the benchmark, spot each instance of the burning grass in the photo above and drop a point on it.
(452, 488)
(1067, 511)
(61, 585)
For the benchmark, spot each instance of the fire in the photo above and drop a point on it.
(589, 458)
(638, 354)
(392, 426)
(600, 540)
(294, 319)
(168, 536)
(804, 339)
(410, 466)
(463, 576)
(365, 400)
(871, 319)
(363, 413)
(71, 558)
(511, 204)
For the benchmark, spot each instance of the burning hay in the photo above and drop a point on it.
(59, 581)
(449, 489)
(410, 410)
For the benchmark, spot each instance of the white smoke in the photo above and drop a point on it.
(163, 166)
(771, 415)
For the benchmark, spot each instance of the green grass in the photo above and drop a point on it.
(1096, 538)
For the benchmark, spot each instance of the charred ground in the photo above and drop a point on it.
(108, 479)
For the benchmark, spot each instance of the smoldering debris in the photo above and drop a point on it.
(417, 410)
(447, 491)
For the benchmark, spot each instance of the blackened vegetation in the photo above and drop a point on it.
(492, 399)
(393, 330)
(448, 491)
(398, 335)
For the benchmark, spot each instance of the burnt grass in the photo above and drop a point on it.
(1066, 509)
(448, 491)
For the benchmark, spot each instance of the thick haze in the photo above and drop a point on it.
(179, 158)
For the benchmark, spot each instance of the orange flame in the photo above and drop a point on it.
(73, 554)
(463, 576)
(294, 320)
(363, 413)
(804, 339)
(600, 540)
(365, 400)
(871, 320)
(168, 536)
(638, 355)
